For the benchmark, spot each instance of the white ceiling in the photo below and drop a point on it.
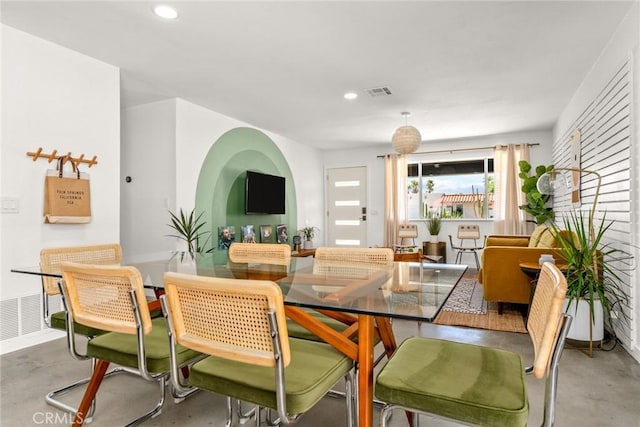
(461, 68)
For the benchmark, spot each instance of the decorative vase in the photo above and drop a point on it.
(579, 329)
(307, 244)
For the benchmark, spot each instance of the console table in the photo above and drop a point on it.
(436, 249)
(303, 253)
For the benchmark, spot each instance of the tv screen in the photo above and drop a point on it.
(264, 194)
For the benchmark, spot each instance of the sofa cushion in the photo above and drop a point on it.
(548, 240)
(538, 233)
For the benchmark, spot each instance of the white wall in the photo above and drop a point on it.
(624, 45)
(148, 157)
(199, 128)
(375, 174)
(181, 134)
(52, 98)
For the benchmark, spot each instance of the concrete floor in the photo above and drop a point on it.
(599, 391)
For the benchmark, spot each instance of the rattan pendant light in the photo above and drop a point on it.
(406, 139)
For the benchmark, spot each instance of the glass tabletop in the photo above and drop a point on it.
(408, 290)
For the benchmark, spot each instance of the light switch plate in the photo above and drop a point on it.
(9, 205)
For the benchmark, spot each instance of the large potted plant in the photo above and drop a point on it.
(594, 280)
(536, 202)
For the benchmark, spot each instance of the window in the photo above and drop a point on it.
(461, 189)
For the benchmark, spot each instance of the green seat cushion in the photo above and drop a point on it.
(474, 384)
(315, 367)
(59, 321)
(122, 349)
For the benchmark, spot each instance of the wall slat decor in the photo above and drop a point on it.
(605, 126)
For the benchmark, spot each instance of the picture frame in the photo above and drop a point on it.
(282, 233)
(248, 233)
(266, 234)
(226, 236)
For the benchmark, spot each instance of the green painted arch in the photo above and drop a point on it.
(220, 190)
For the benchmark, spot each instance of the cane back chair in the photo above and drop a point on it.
(266, 253)
(241, 325)
(480, 385)
(50, 262)
(112, 299)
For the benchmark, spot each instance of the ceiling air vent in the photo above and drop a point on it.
(379, 91)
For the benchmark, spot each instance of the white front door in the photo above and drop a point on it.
(347, 207)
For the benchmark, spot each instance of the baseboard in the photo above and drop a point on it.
(25, 341)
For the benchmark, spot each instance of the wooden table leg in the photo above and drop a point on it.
(365, 370)
(90, 393)
(386, 335)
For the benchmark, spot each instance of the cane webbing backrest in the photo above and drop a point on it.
(51, 258)
(330, 258)
(543, 322)
(263, 253)
(99, 297)
(227, 318)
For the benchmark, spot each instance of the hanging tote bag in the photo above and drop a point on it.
(67, 199)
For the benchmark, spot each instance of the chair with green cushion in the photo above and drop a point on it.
(112, 299)
(480, 385)
(241, 325)
(50, 261)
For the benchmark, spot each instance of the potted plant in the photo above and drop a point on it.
(189, 228)
(594, 280)
(308, 233)
(536, 202)
(434, 224)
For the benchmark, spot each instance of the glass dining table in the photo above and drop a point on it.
(361, 297)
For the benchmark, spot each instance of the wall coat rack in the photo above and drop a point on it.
(55, 156)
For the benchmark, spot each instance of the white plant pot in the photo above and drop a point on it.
(307, 244)
(186, 262)
(579, 329)
(434, 238)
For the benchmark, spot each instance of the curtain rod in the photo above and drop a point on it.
(462, 149)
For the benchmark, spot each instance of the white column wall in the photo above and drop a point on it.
(52, 98)
(148, 148)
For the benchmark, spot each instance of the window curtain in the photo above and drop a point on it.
(508, 218)
(395, 196)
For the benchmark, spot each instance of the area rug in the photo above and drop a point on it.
(466, 307)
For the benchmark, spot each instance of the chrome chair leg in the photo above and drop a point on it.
(51, 400)
(157, 410)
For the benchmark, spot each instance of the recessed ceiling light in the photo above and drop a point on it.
(166, 12)
(350, 95)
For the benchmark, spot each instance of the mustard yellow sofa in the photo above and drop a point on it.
(501, 277)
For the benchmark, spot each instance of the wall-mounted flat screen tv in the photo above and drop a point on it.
(264, 194)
